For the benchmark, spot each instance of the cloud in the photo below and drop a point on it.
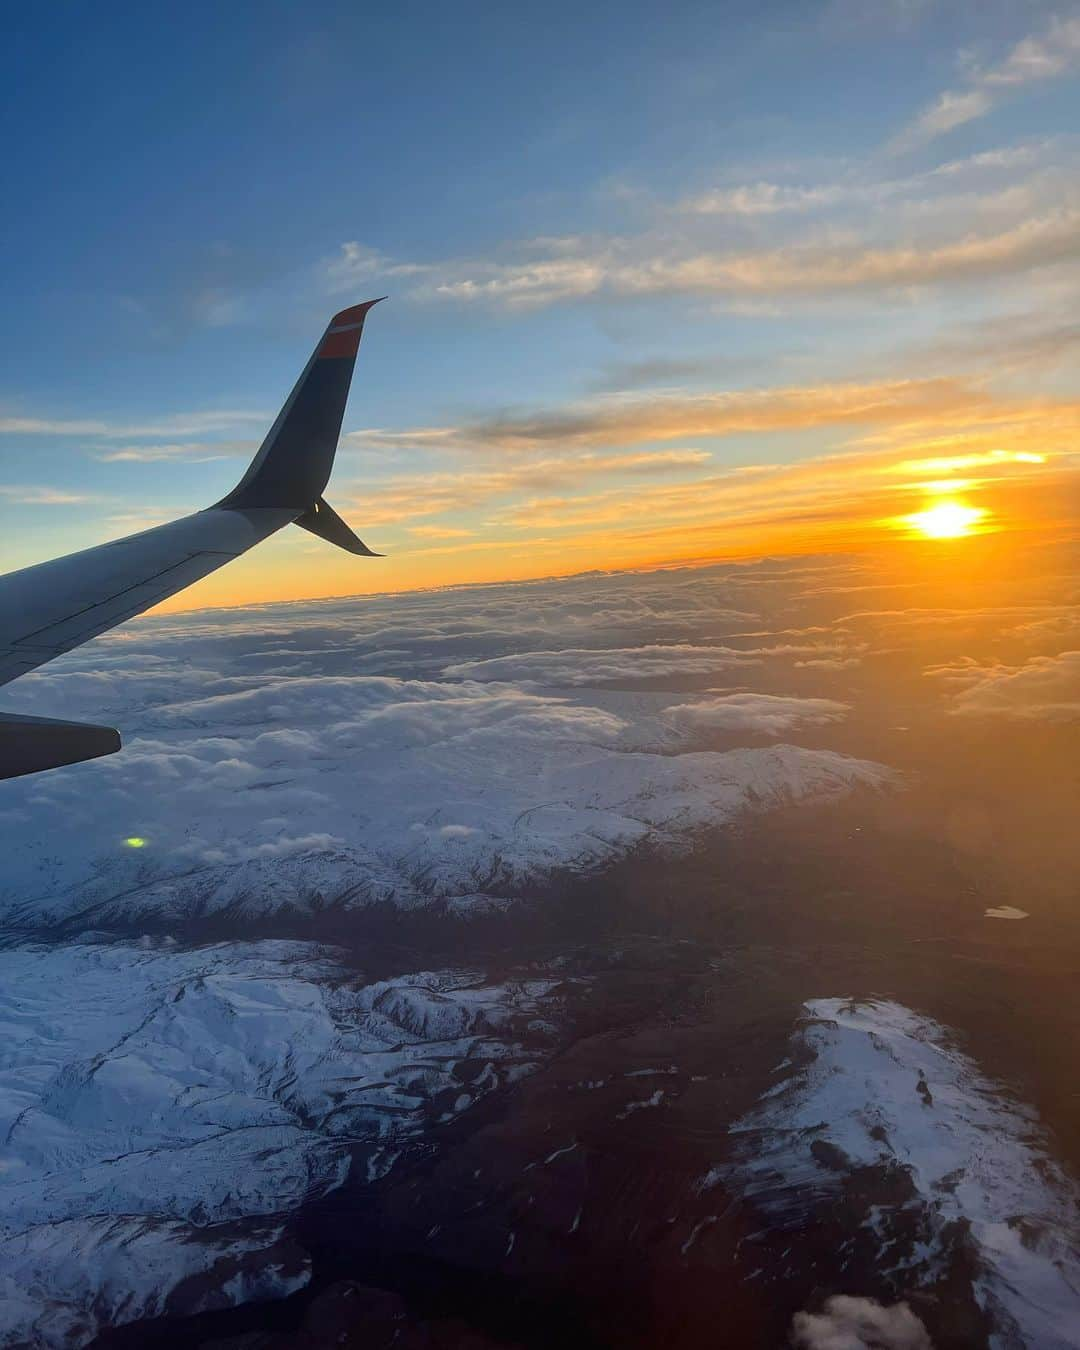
(668, 416)
(27, 495)
(280, 758)
(1045, 688)
(199, 452)
(415, 438)
(829, 663)
(285, 759)
(1064, 625)
(957, 630)
(573, 468)
(641, 268)
(761, 199)
(861, 187)
(661, 370)
(847, 493)
(847, 1323)
(406, 497)
(587, 666)
(439, 532)
(283, 846)
(968, 188)
(137, 518)
(922, 430)
(356, 264)
(1016, 341)
(583, 464)
(1000, 212)
(1036, 58)
(1041, 56)
(420, 632)
(761, 714)
(178, 424)
(951, 110)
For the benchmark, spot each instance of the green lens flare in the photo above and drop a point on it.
(135, 842)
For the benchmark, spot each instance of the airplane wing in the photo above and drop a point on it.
(49, 609)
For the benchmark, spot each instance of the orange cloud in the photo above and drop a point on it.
(621, 420)
(532, 494)
(643, 268)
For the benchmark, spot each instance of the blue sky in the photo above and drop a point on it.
(575, 210)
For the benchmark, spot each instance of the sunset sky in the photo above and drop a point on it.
(664, 285)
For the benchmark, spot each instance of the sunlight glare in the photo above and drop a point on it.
(946, 520)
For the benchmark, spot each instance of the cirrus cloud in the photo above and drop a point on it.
(1036, 58)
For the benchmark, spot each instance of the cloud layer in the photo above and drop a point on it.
(1039, 57)
(442, 751)
(1045, 688)
(761, 714)
(285, 761)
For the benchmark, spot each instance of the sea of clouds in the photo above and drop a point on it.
(438, 747)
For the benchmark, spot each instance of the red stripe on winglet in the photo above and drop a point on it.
(354, 314)
(340, 344)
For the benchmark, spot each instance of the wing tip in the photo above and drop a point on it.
(34, 744)
(355, 313)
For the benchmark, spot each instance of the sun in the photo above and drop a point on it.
(946, 520)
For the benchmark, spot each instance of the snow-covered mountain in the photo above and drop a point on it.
(940, 1170)
(250, 783)
(165, 1106)
(150, 1098)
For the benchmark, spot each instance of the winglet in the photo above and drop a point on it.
(293, 464)
(342, 336)
(324, 521)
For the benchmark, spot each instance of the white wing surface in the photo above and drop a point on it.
(50, 608)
